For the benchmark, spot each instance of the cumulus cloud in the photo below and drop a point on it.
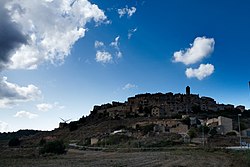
(11, 38)
(99, 44)
(25, 114)
(129, 86)
(11, 93)
(203, 71)
(34, 32)
(131, 32)
(47, 106)
(201, 48)
(103, 57)
(126, 11)
(3, 126)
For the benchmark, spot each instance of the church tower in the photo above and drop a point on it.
(187, 90)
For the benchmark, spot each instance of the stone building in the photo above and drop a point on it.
(179, 129)
(223, 125)
(158, 112)
(241, 108)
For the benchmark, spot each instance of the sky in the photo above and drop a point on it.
(59, 58)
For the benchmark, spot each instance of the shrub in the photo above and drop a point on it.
(115, 140)
(192, 133)
(213, 132)
(204, 129)
(42, 142)
(161, 143)
(55, 147)
(146, 129)
(14, 142)
(231, 134)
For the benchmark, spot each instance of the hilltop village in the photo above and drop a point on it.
(162, 105)
(154, 120)
(165, 114)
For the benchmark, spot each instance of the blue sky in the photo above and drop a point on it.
(59, 58)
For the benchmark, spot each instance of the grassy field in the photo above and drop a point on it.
(173, 158)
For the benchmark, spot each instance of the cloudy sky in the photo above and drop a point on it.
(59, 58)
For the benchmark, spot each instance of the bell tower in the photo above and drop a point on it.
(188, 90)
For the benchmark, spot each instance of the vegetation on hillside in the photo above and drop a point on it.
(55, 147)
(18, 134)
(14, 142)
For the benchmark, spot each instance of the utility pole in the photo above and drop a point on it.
(239, 127)
(203, 135)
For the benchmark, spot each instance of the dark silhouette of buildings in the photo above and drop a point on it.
(160, 105)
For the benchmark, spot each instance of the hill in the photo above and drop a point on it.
(174, 118)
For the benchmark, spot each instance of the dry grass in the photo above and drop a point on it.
(77, 158)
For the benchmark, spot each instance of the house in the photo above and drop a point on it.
(180, 129)
(157, 112)
(193, 121)
(229, 107)
(94, 140)
(241, 108)
(208, 104)
(159, 128)
(62, 125)
(223, 125)
(246, 133)
(213, 122)
(118, 111)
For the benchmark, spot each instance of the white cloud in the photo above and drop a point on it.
(3, 126)
(131, 32)
(52, 28)
(47, 106)
(99, 44)
(103, 57)
(126, 11)
(44, 106)
(11, 93)
(25, 114)
(129, 86)
(58, 106)
(119, 54)
(201, 48)
(203, 71)
(116, 44)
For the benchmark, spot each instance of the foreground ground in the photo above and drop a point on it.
(170, 158)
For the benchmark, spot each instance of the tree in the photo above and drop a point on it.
(213, 132)
(204, 128)
(55, 147)
(14, 142)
